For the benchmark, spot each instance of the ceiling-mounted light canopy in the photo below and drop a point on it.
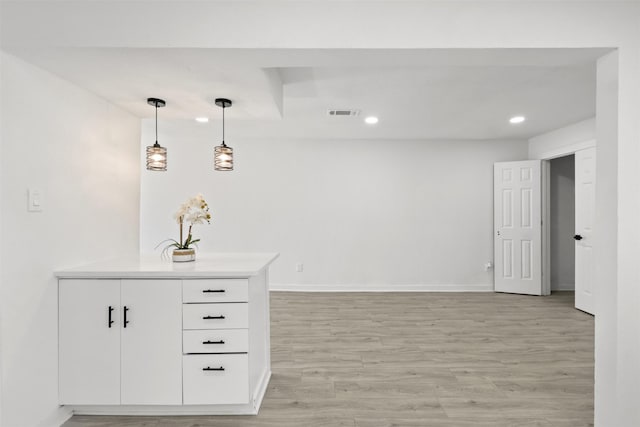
(223, 155)
(156, 155)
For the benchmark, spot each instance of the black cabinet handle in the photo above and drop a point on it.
(213, 369)
(211, 291)
(110, 320)
(577, 237)
(125, 316)
(212, 317)
(213, 342)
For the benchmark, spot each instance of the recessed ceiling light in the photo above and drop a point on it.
(516, 119)
(202, 119)
(371, 120)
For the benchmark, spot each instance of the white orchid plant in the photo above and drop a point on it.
(194, 211)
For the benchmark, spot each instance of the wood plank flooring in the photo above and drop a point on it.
(417, 359)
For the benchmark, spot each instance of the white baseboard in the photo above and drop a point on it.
(164, 410)
(379, 288)
(563, 287)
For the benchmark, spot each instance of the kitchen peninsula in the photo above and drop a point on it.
(145, 336)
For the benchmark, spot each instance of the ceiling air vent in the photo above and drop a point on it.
(343, 113)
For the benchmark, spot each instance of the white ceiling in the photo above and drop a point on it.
(417, 94)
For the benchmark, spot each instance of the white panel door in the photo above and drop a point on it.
(89, 344)
(151, 342)
(585, 207)
(517, 227)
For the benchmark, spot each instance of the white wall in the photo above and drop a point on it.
(563, 141)
(562, 223)
(83, 154)
(358, 214)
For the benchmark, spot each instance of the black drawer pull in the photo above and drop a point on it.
(213, 342)
(213, 291)
(212, 317)
(213, 369)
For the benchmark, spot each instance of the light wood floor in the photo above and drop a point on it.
(418, 359)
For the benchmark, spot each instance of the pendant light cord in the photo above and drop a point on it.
(156, 123)
(223, 106)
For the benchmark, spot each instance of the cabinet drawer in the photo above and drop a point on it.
(216, 341)
(215, 316)
(215, 379)
(215, 290)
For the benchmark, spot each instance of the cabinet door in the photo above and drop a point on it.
(152, 342)
(89, 347)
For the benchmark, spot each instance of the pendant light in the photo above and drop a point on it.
(223, 155)
(156, 155)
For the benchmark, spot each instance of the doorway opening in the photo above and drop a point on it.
(569, 215)
(544, 221)
(562, 215)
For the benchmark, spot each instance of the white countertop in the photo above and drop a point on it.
(152, 266)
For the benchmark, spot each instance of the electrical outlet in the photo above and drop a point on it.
(299, 267)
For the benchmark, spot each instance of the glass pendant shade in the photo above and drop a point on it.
(223, 158)
(223, 155)
(156, 154)
(156, 158)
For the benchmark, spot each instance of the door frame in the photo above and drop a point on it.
(545, 172)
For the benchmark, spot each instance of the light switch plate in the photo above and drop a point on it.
(35, 200)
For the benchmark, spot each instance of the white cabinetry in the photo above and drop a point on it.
(215, 316)
(120, 341)
(216, 367)
(146, 337)
(89, 346)
(221, 378)
(151, 342)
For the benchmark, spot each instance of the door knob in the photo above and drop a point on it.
(577, 237)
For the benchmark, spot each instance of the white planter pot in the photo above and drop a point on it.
(184, 255)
